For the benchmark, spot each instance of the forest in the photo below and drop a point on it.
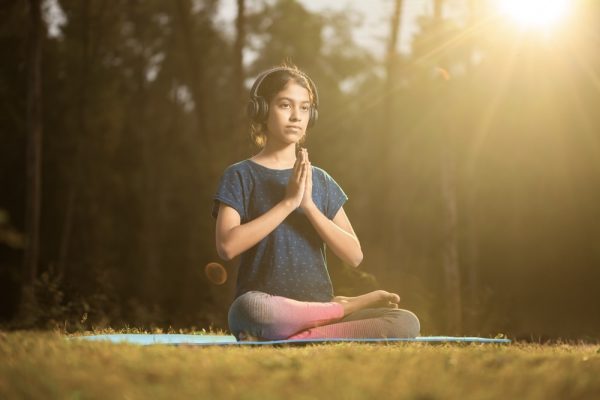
(471, 163)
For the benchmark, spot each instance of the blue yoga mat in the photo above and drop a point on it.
(225, 340)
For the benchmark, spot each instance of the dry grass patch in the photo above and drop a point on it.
(49, 366)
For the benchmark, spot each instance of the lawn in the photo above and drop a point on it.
(47, 365)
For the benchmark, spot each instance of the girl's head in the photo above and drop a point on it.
(282, 97)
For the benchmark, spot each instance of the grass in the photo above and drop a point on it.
(45, 365)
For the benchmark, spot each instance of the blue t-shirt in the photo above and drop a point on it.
(290, 261)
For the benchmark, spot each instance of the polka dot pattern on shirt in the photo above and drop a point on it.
(291, 260)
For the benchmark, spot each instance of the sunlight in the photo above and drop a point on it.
(540, 14)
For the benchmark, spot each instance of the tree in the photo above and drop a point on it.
(435, 50)
(391, 69)
(450, 260)
(195, 69)
(34, 149)
(239, 94)
(390, 128)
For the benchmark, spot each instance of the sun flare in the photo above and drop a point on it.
(540, 14)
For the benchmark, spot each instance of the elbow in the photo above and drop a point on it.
(225, 252)
(357, 259)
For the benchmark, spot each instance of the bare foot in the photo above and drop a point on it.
(377, 298)
(246, 337)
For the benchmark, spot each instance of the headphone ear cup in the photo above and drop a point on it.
(252, 109)
(314, 115)
(262, 109)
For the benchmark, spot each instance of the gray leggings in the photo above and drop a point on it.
(270, 317)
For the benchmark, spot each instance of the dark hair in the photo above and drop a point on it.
(269, 87)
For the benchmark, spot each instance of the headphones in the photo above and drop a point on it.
(258, 107)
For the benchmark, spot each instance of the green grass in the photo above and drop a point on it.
(48, 366)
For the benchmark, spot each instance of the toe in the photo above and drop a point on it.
(394, 298)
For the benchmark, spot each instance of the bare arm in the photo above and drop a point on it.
(233, 238)
(337, 233)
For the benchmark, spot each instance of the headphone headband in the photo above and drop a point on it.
(263, 76)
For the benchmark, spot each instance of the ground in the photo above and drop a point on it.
(44, 365)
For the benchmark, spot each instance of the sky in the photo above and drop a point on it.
(377, 14)
(372, 33)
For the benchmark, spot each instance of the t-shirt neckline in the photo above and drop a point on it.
(267, 168)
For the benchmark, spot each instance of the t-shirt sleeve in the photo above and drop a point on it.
(335, 197)
(230, 192)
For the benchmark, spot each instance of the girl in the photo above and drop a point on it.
(278, 212)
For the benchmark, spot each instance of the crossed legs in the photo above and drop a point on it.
(260, 316)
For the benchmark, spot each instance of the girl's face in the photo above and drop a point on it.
(289, 112)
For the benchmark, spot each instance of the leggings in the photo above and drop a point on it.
(268, 317)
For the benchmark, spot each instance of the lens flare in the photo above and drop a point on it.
(215, 273)
(534, 13)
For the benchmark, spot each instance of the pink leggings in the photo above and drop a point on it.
(274, 318)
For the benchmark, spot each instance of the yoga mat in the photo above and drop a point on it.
(225, 340)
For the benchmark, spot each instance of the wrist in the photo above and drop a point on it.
(289, 205)
(309, 207)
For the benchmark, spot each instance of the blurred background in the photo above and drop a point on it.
(466, 134)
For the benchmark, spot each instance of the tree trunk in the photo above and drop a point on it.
(452, 295)
(65, 239)
(75, 176)
(437, 10)
(34, 160)
(450, 261)
(387, 138)
(240, 139)
(194, 70)
(391, 69)
(472, 312)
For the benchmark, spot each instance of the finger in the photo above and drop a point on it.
(306, 168)
(301, 172)
(309, 176)
(298, 159)
(297, 165)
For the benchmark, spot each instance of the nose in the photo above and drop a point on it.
(295, 115)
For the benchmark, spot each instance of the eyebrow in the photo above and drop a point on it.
(292, 100)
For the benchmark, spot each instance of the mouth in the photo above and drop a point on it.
(293, 127)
